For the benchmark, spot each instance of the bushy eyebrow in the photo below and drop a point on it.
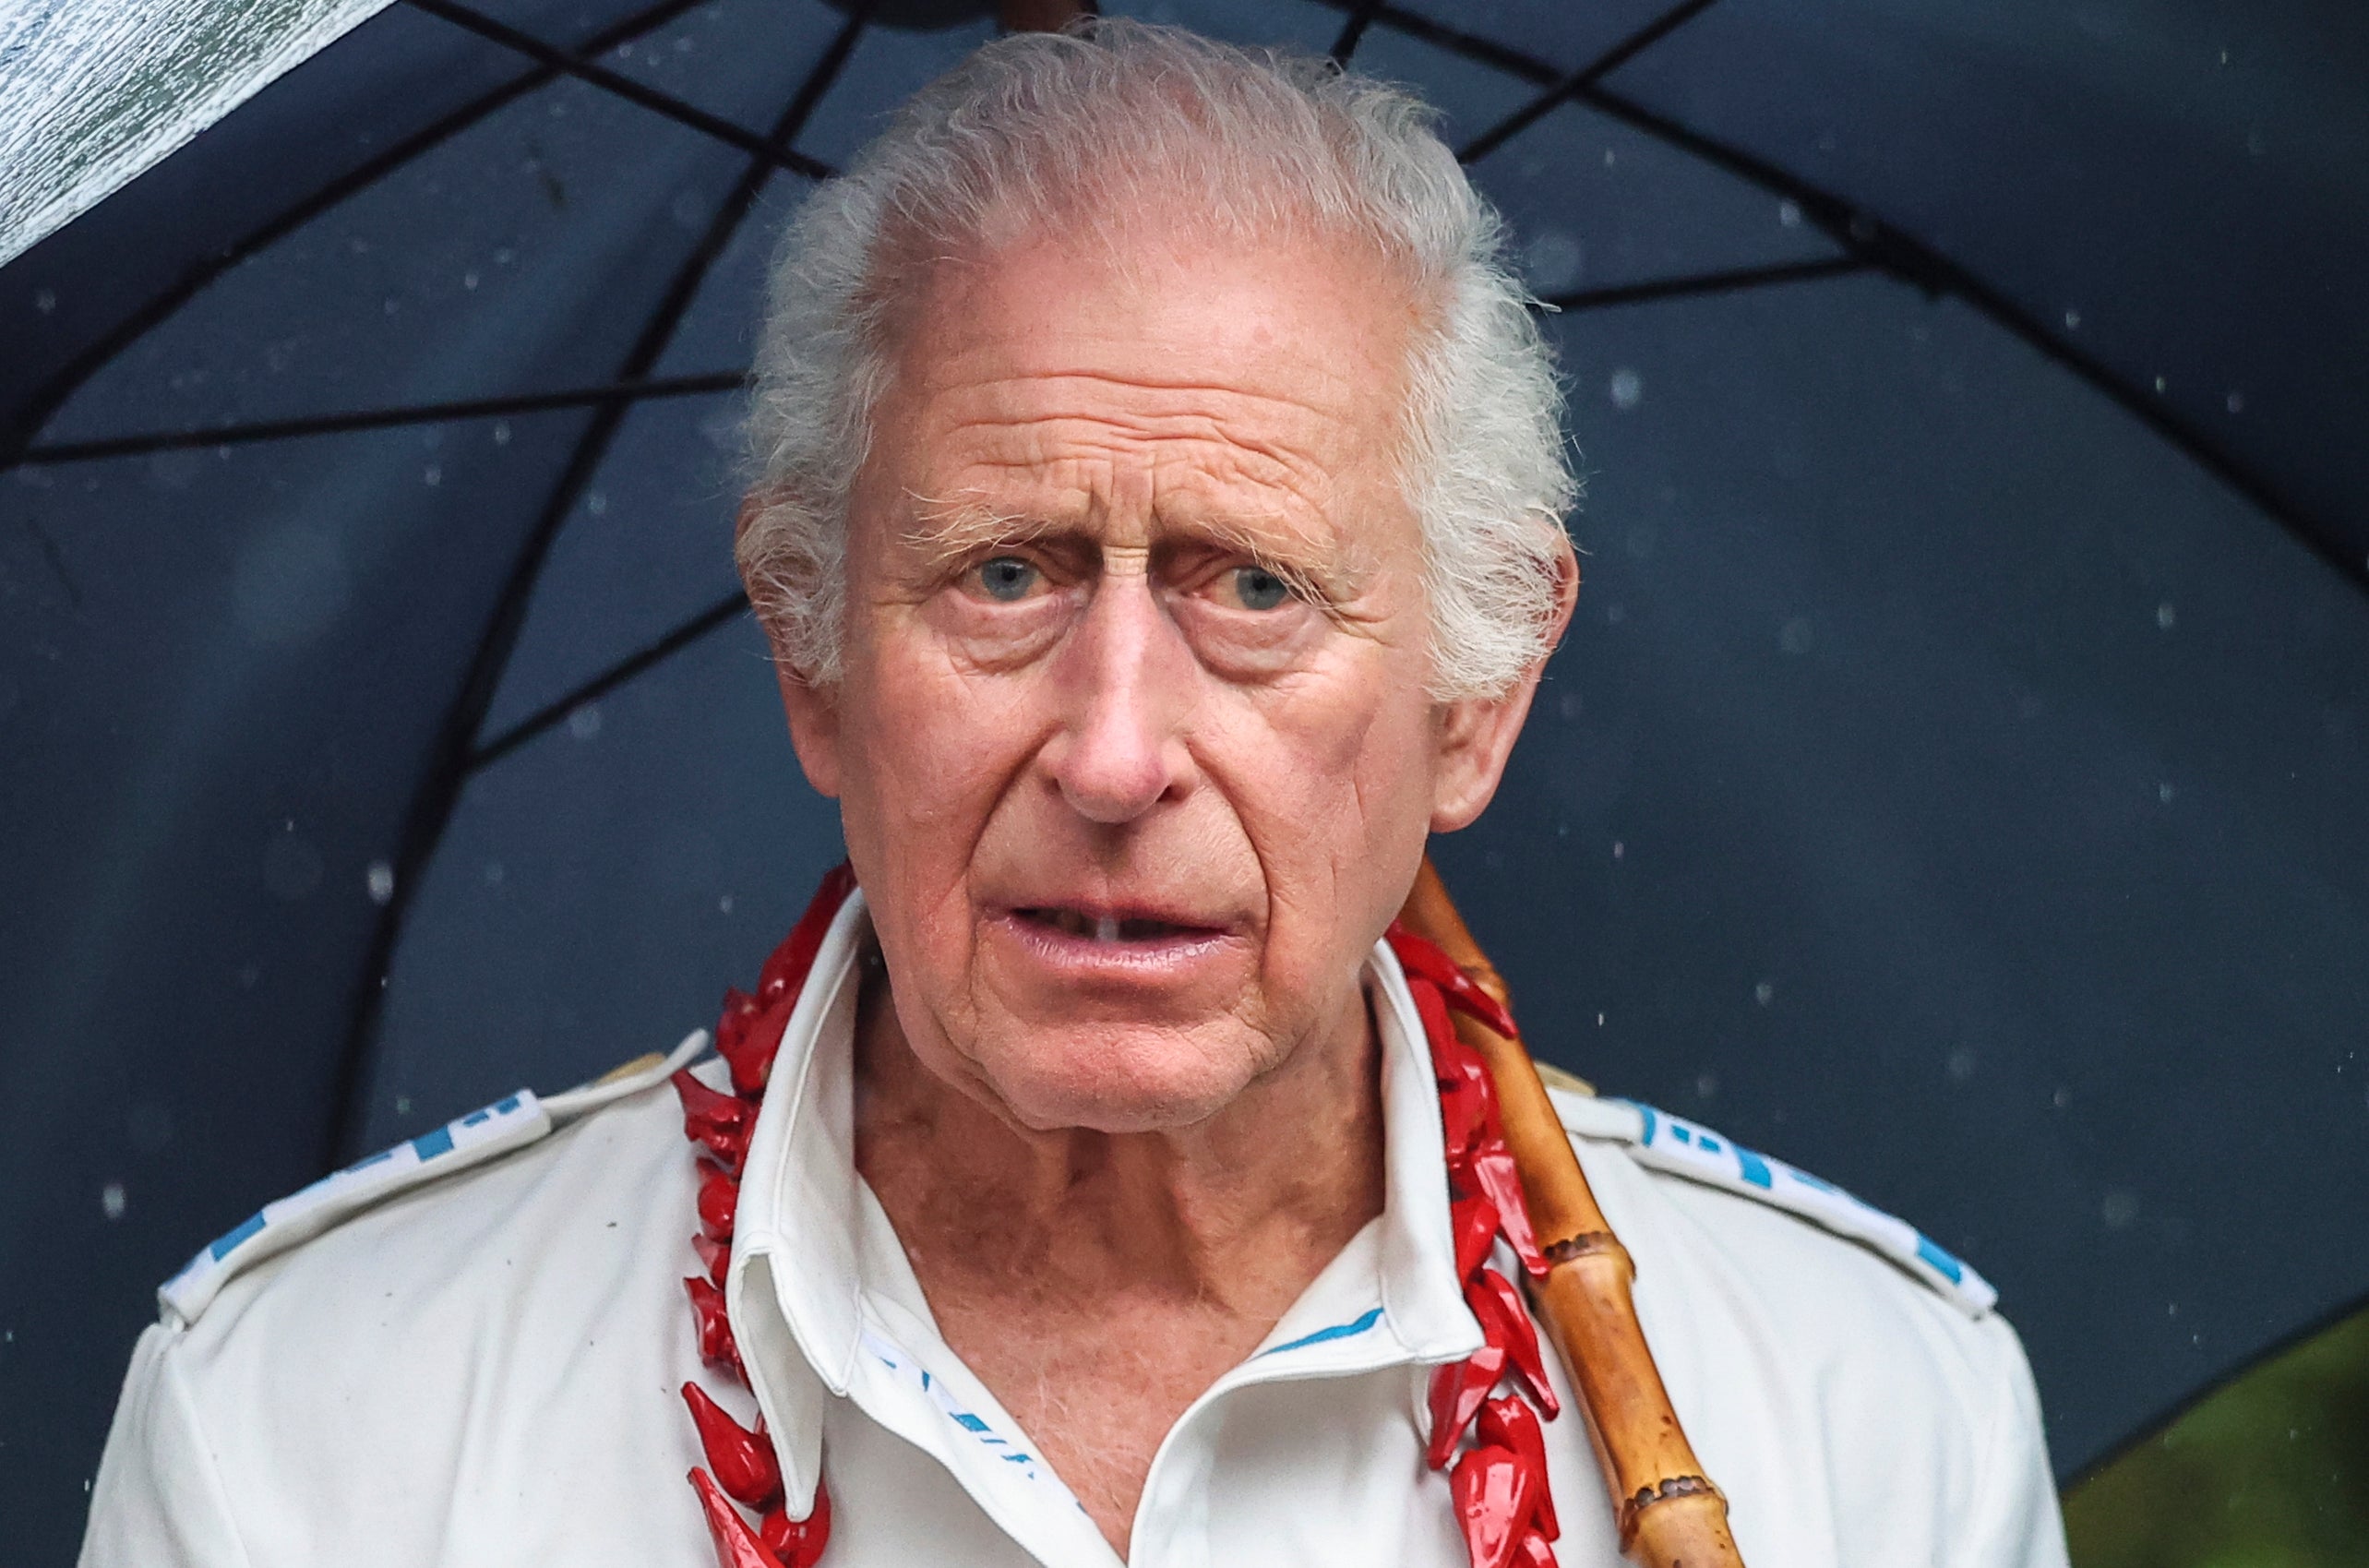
(946, 532)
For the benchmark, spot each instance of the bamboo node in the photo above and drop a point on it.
(1582, 1245)
(1668, 1489)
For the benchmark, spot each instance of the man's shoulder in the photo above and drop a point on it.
(1743, 1256)
(487, 1203)
(1682, 1156)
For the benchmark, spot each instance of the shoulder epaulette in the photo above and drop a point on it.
(512, 1122)
(1662, 1141)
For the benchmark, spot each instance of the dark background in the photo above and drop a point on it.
(1952, 783)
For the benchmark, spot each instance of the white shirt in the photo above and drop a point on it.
(473, 1358)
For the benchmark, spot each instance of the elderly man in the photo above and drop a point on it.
(1158, 524)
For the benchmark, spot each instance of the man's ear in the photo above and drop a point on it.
(813, 711)
(814, 725)
(1477, 734)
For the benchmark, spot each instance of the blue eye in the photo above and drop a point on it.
(1008, 578)
(1260, 589)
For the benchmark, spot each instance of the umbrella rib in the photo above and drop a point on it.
(780, 155)
(1905, 258)
(1354, 31)
(1604, 65)
(52, 394)
(1729, 281)
(440, 791)
(382, 418)
(721, 613)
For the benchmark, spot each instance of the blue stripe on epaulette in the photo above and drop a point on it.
(1668, 1143)
(279, 1224)
(228, 1240)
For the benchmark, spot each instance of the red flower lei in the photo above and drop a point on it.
(1499, 1484)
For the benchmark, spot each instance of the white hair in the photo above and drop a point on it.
(1039, 128)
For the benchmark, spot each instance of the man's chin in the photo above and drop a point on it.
(1118, 1079)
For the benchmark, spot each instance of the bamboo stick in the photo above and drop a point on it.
(1669, 1513)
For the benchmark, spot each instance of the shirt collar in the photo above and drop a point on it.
(797, 1289)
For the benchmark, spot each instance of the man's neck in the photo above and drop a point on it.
(1099, 1283)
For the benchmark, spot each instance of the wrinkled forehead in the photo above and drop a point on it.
(1223, 380)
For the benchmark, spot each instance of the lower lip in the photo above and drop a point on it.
(1169, 957)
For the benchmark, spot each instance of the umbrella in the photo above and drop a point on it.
(1950, 783)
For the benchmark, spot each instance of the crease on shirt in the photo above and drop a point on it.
(172, 1383)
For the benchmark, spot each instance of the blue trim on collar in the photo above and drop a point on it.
(1338, 1331)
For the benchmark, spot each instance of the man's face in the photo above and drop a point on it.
(1132, 744)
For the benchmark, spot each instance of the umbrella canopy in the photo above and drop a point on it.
(1951, 781)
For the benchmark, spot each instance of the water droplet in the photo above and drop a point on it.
(1797, 636)
(597, 503)
(1619, 849)
(2235, 402)
(1607, 157)
(2163, 793)
(494, 873)
(111, 1200)
(584, 720)
(1599, 1020)
(501, 431)
(2061, 1099)
(1614, 614)
(432, 475)
(1707, 1084)
(1788, 212)
(1961, 1065)
(469, 282)
(1763, 993)
(723, 904)
(44, 300)
(1628, 388)
(402, 1104)
(2119, 1209)
(2166, 614)
(2071, 320)
(2159, 384)
(380, 881)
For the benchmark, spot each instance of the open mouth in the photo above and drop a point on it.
(1111, 928)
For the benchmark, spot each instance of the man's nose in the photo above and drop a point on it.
(1125, 675)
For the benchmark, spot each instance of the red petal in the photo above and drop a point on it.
(786, 970)
(800, 1542)
(735, 1545)
(719, 1198)
(1534, 1551)
(1495, 1494)
(1504, 1321)
(719, 1122)
(1467, 1108)
(1475, 1219)
(1495, 1175)
(1457, 1390)
(716, 1255)
(1423, 957)
(1510, 1423)
(743, 1460)
(715, 1328)
(748, 1036)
